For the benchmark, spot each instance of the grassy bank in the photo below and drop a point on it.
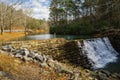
(10, 36)
(16, 69)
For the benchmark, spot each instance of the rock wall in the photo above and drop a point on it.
(60, 49)
(50, 46)
(73, 54)
(115, 41)
(114, 36)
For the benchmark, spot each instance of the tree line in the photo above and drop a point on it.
(10, 17)
(84, 16)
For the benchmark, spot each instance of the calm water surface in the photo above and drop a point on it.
(114, 67)
(50, 36)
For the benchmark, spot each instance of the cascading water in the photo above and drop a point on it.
(99, 52)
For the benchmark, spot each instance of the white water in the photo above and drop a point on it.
(99, 51)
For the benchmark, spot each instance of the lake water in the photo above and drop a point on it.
(113, 67)
(50, 36)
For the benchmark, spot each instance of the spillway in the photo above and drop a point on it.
(99, 52)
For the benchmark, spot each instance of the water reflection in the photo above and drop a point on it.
(50, 36)
(40, 37)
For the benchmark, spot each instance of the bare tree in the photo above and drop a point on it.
(7, 12)
(3, 15)
(27, 13)
(13, 17)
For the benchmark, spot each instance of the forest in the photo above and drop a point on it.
(12, 18)
(84, 16)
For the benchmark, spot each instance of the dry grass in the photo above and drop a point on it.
(11, 36)
(27, 71)
(8, 63)
(40, 31)
(18, 28)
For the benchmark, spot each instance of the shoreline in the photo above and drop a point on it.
(11, 36)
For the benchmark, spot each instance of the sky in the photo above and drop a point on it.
(39, 8)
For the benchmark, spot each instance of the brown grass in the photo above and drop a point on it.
(10, 36)
(27, 71)
(8, 64)
(18, 28)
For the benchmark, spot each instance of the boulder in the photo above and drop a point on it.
(8, 48)
(58, 66)
(31, 54)
(50, 63)
(39, 58)
(49, 57)
(2, 73)
(18, 56)
(106, 72)
(44, 64)
(26, 52)
(44, 58)
(25, 58)
(102, 76)
(76, 75)
(2, 51)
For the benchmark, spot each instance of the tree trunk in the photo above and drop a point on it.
(10, 26)
(10, 29)
(2, 30)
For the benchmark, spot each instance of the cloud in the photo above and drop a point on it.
(40, 8)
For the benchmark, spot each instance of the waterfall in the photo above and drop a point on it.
(99, 52)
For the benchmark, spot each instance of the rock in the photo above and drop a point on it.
(44, 58)
(2, 51)
(35, 51)
(87, 71)
(22, 53)
(31, 54)
(115, 76)
(106, 72)
(11, 48)
(12, 55)
(18, 56)
(62, 69)
(58, 66)
(39, 58)
(118, 75)
(45, 72)
(25, 58)
(35, 61)
(17, 51)
(5, 48)
(102, 76)
(49, 57)
(50, 63)
(43, 64)
(76, 75)
(26, 51)
(2, 73)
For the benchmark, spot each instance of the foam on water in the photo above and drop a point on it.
(99, 51)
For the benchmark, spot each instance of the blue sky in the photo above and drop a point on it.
(39, 8)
